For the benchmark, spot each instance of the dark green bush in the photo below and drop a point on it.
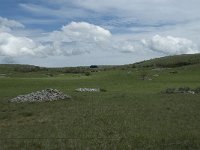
(133, 66)
(183, 89)
(170, 90)
(103, 90)
(87, 73)
(26, 114)
(197, 90)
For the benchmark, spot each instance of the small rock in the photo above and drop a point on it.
(87, 90)
(191, 92)
(156, 75)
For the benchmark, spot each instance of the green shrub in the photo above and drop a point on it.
(26, 114)
(170, 90)
(87, 73)
(133, 66)
(183, 89)
(197, 90)
(103, 90)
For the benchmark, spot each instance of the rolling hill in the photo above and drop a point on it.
(171, 61)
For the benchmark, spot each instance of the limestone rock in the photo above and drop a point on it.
(88, 90)
(41, 96)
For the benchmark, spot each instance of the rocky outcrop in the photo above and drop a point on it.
(41, 96)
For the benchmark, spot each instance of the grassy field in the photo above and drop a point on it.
(131, 114)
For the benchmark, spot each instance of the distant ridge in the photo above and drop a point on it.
(171, 61)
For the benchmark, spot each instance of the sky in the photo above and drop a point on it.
(57, 33)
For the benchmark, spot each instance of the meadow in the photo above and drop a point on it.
(131, 112)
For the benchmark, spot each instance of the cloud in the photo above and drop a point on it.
(13, 46)
(78, 38)
(120, 17)
(171, 45)
(62, 11)
(128, 46)
(8, 60)
(75, 38)
(160, 9)
(167, 45)
(85, 31)
(8, 25)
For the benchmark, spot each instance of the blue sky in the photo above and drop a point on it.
(85, 32)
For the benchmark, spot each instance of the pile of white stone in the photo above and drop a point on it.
(41, 96)
(88, 90)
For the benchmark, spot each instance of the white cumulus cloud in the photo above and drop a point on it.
(79, 37)
(171, 45)
(13, 46)
(129, 46)
(72, 39)
(81, 31)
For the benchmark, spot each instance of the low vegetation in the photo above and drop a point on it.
(171, 61)
(184, 90)
(128, 113)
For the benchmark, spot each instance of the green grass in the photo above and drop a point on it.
(171, 61)
(131, 114)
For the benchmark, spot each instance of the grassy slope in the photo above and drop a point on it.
(172, 61)
(132, 114)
